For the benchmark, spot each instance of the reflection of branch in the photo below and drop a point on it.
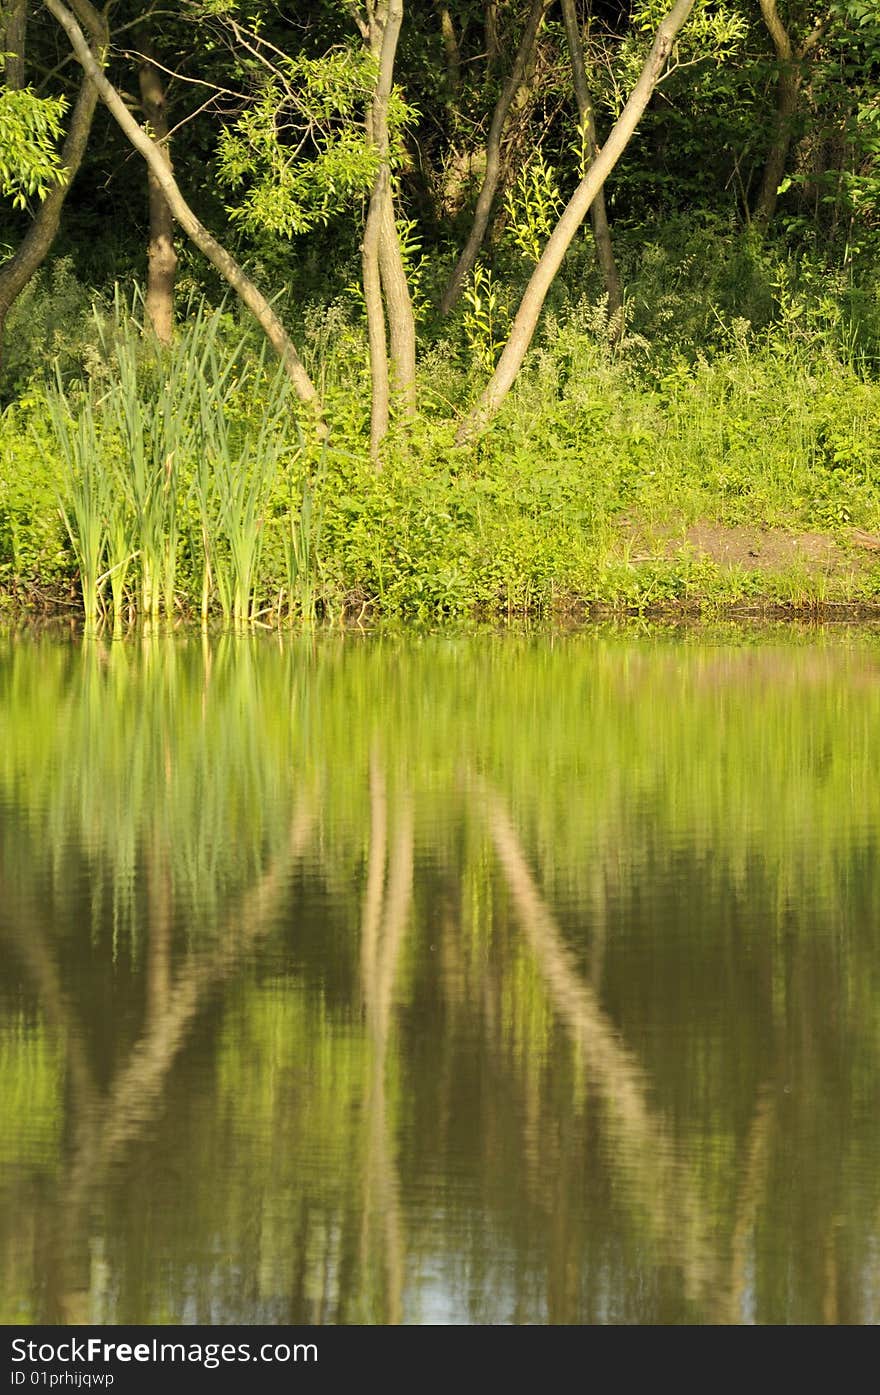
(659, 1183)
(34, 952)
(134, 1091)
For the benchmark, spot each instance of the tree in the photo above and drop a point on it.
(319, 133)
(791, 58)
(384, 275)
(57, 177)
(13, 32)
(217, 254)
(469, 253)
(598, 212)
(532, 302)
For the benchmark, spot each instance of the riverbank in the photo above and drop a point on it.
(705, 570)
(743, 480)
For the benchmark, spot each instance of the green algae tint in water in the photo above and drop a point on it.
(501, 979)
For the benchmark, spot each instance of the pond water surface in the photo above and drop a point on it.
(507, 978)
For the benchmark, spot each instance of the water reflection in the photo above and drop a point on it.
(501, 979)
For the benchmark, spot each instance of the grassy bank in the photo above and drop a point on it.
(621, 474)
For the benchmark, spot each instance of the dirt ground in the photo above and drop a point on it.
(759, 549)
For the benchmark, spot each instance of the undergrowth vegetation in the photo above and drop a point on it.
(140, 483)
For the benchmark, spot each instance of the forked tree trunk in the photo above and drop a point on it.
(465, 264)
(598, 211)
(37, 241)
(161, 256)
(570, 220)
(382, 262)
(207, 244)
(380, 391)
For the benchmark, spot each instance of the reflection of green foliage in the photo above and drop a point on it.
(31, 1066)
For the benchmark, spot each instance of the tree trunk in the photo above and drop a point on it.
(570, 220)
(787, 95)
(471, 250)
(380, 394)
(398, 305)
(381, 259)
(598, 212)
(14, 40)
(161, 256)
(451, 50)
(37, 241)
(216, 254)
(493, 47)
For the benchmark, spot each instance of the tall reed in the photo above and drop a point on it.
(302, 540)
(243, 465)
(83, 495)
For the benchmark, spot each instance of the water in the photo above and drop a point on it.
(490, 979)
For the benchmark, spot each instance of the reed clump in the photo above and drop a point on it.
(177, 466)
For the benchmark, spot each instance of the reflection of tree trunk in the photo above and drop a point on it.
(161, 256)
(598, 212)
(661, 1186)
(33, 950)
(382, 929)
(465, 263)
(104, 1127)
(599, 907)
(373, 895)
(830, 1305)
(66, 1243)
(135, 1089)
(751, 1190)
(159, 931)
(397, 903)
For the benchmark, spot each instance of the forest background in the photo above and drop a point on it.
(458, 308)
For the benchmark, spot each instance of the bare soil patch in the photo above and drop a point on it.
(751, 548)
